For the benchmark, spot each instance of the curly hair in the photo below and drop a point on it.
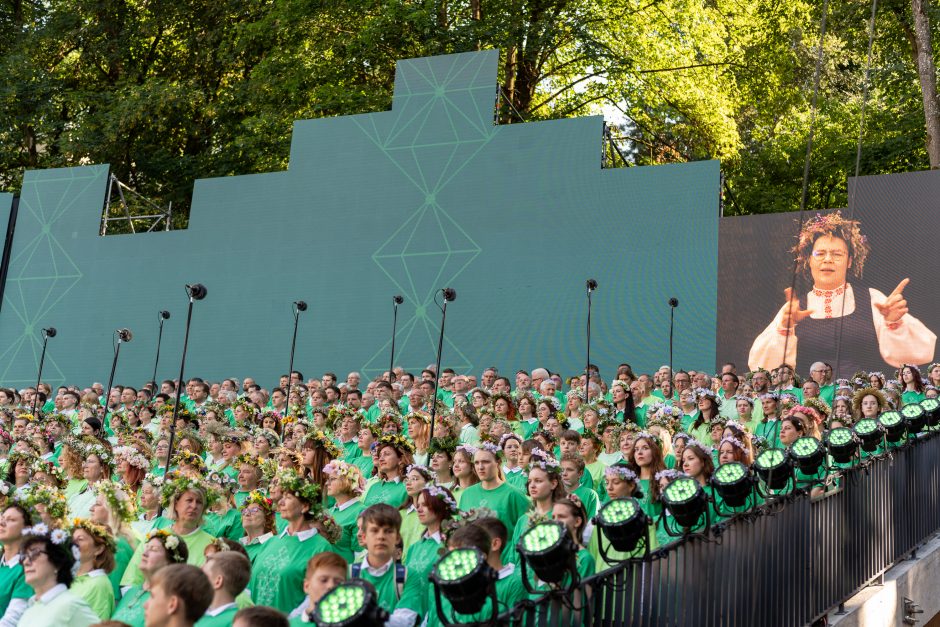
(835, 225)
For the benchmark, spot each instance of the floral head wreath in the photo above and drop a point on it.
(733, 441)
(835, 225)
(770, 396)
(682, 435)
(463, 519)
(707, 393)
(46, 466)
(327, 527)
(56, 417)
(620, 472)
(118, 500)
(742, 397)
(17, 456)
(223, 544)
(501, 395)
(592, 436)
(220, 484)
(443, 494)
(175, 487)
(41, 530)
(397, 442)
(418, 415)
(822, 407)
(6, 438)
(257, 497)
(669, 474)
(878, 394)
(491, 448)
(94, 529)
(188, 458)
(693, 443)
(247, 406)
(323, 441)
(443, 445)
(132, 456)
(292, 483)
(170, 541)
(54, 500)
(101, 452)
(247, 460)
(272, 438)
(646, 435)
(541, 459)
(422, 470)
(350, 472)
(554, 402)
(233, 436)
(466, 449)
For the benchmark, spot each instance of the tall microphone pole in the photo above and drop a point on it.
(163, 317)
(673, 303)
(396, 301)
(195, 292)
(298, 307)
(591, 285)
(450, 295)
(124, 335)
(46, 334)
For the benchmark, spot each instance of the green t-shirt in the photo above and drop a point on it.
(588, 498)
(277, 576)
(196, 542)
(222, 619)
(420, 558)
(254, 549)
(96, 589)
(228, 525)
(770, 431)
(508, 502)
(122, 557)
(517, 479)
(348, 544)
(390, 492)
(130, 610)
(411, 527)
(909, 398)
(385, 586)
(12, 584)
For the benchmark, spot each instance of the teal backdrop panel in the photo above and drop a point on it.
(431, 194)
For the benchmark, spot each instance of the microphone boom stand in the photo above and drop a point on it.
(122, 334)
(298, 307)
(591, 286)
(449, 295)
(163, 315)
(46, 334)
(396, 301)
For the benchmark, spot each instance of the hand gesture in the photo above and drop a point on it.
(895, 306)
(792, 314)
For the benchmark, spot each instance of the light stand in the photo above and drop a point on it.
(195, 292)
(298, 307)
(396, 301)
(124, 335)
(46, 334)
(591, 285)
(163, 316)
(450, 295)
(673, 303)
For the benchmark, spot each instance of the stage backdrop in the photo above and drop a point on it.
(428, 195)
(895, 213)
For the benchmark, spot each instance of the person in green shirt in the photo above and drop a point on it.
(511, 445)
(572, 469)
(180, 595)
(96, 548)
(258, 522)
(493, 492)
(228, 573)
(249, 477)
(14, 591)
(381, 525)
(344, 484)
(324, 572)
(912, 383)
(394, 457)
(161, 548)
(769, 427)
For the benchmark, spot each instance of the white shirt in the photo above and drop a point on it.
(301, 536)
(258, 540)
(219, 609)
(346, 505)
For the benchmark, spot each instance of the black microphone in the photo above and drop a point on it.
(300, 305)
(673, 302)
(450, 294)
(398, 299)
(50, 332)
(165, 315)
(591, 285)
(125, 335)
(197, 291)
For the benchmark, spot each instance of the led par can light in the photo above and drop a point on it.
(932, 410)
(869, 432)
(774, 467)
(624, 523)
(733, 482)
(350, 604)
(549, 550)
(686, 501)
(464, 578)
(915, 417)
(809, 454)
(842, 444)
(893, 424)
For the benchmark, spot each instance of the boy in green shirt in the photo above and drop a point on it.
(380, 533)
(228, 573)
(572, 473)
(325, 571)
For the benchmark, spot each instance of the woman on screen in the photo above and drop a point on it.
(877, 327)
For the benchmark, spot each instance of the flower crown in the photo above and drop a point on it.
(441, 493)
(41, 530)
(809, 411)
(769, 396)
(467, 449)
(323, 441)
(742, 397)
(102, 453)
(541, 459)
(733, 441)
(646, 435)
(419, 415)
(422, 470)
(176, 486)
(463, 519)
(94, 529)
(46, 466)
(669, 474)
(443, 445)
(170, 541)
(350, 472)
(257, 497)
(693, 443)
(491, 448)
(246, 459)
(397, 442)
(328, 527)
(55, 502)
(155, 480)
(735, 426)
(220, 484)
(620, 472)
(119, 501)
(821, 406)
(273, 439)
(292, 483)
(184, 457)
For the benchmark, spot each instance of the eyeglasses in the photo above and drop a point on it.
(837, 255)
(251, 510)
(30, 556)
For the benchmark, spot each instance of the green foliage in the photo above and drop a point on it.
(168, 91)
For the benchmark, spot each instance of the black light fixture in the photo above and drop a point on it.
(734, 483)
(932, 409)
(774, 467)
(870, 433)
(686, 501)
(893, 424)
(549, 550)
(465, 578)
(915, 418)
(842, 444)
(624, 523)
(808, 454)
(350, 604)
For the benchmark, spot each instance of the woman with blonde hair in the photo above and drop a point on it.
(345, 484)
(114, 509)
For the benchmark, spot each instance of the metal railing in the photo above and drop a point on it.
(787, 562)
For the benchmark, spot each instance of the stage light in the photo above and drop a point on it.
(350, 604)
(686, 501)
(932, 409)
(623, 522)
(464, 578)
(869, 431)
(809, 454)
(893, 424)
(550, 551)
(842, 444)
(733, 483)
(914, 417)
(774, 467)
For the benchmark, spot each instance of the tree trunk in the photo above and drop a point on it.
(510, 89)
(927, 72)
